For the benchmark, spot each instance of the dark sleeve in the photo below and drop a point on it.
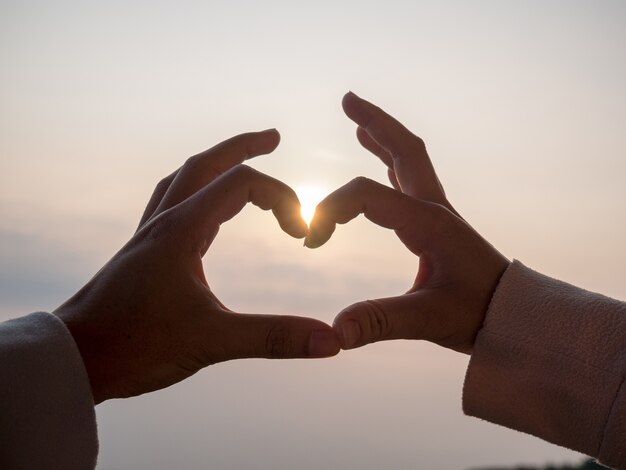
(47, 416)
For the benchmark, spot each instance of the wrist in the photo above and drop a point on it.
(86, 351)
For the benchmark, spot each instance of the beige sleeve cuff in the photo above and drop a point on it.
(550, 361)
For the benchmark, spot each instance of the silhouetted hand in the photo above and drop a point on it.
(148, 318)
(458, 269)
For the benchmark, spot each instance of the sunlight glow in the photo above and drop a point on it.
(309, 195)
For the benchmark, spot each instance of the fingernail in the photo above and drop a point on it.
(350, 332)
(309, 240)
(299, 228)
(354, 108)
(323, 343)
(302, 231)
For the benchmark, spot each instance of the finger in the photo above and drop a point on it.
(402, 317)
(278, 337)
(393, 179)
(382, 205)
(203, 168)
(222, 199)
(371, 145)
(410, 161)
(157, 195)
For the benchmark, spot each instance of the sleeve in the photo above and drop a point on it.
(550, 361)
(47, 416)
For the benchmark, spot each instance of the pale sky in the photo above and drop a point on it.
(522, 106)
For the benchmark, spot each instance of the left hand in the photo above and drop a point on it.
(458, 269)
(148, 318)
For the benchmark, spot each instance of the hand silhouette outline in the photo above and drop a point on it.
(148, 318)
(458, 269)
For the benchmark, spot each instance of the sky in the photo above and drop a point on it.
(522, 106)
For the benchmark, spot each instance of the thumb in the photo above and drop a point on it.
(402, 317)
(278, 337)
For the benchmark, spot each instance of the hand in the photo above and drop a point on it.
(458, 269)
(148, 318)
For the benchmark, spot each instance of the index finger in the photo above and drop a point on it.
(380, 204)
(206, 166)
(225, 197)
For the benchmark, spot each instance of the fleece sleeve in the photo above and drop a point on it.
(47, 416)
(550, 361)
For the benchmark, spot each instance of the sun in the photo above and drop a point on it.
(310, 195)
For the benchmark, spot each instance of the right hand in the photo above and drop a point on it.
(458, 269)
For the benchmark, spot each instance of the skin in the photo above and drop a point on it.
(149, 319)
(458, 269)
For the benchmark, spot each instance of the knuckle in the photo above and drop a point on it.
(419, 143)
(212, 172)
(242, 171)
(158, 228)
(162, 186)
(377, 320)
(360, 183)
(278, 343)
(192, 161)
(241, 140)
(439, 216)
(201, 163)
